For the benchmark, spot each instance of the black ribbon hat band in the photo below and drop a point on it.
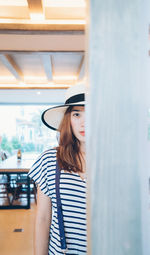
(76, 99)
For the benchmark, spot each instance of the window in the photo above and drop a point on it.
(21, 128)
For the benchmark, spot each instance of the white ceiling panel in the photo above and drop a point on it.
(14, 12)
(66, 63)
(65, 13)
(14, 9)
(30, 64)
(13, 3)
(64, 9)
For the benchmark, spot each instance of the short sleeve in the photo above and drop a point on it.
(38, 173)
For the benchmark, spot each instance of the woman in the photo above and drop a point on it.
(70, 155)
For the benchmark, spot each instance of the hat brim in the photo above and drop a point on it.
(52, 117)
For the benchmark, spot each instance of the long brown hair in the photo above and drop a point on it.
(68, 152)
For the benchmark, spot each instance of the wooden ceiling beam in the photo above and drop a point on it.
(39, 42)
(81, 71)
(40, 27)
(35, 6)
(10, 64)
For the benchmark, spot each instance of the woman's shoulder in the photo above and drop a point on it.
(49, 153)
(44, 160)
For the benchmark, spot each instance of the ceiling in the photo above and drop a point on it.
(42, 43)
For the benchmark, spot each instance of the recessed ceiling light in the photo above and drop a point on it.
(65, 77)
(37, 16)
(48, 22)
(21, 83)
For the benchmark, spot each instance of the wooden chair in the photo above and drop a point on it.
(4, 188)
(4, 182)
(21, 188)
(33, 189)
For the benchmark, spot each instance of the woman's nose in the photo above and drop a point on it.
(83, 120)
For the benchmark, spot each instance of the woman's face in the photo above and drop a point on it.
(77, 123)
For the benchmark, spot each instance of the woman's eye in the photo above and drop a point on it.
(76, 114)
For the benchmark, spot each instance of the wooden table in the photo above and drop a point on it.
(13, 166)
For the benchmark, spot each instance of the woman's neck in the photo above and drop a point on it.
(82, 148)
(82, 153)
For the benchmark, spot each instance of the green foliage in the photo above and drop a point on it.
(27, 147)
(6, 145)
(15, 143)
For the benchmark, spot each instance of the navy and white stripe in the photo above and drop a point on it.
(73, 198)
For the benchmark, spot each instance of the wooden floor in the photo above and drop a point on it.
(17, 243)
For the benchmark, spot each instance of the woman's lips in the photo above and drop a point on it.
(82, 133)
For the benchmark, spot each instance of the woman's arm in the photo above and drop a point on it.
(42, 224)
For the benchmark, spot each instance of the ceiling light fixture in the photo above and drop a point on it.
(7, 78)
(65, 77)
(37, 17)
(21, 83)
(34, 86)
(46, 22)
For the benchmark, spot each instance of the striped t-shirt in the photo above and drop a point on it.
(73, 199)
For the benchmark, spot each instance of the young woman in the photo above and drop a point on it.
(70, 155)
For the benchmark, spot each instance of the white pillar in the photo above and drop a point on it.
(118, 150)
